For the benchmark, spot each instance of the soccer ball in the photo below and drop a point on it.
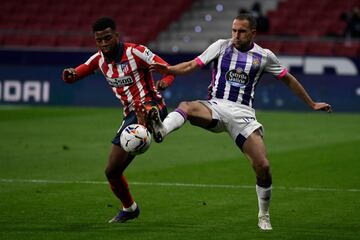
(135, 139)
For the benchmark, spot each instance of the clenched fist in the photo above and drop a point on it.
(69, 75)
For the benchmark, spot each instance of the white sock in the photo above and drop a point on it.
(131, 208)
(264, 197)
(173, 121)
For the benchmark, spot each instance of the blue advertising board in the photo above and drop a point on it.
(35, 78)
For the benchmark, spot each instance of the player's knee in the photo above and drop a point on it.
(191, 108)
(185, 106)
(113, 172)
(109, 173)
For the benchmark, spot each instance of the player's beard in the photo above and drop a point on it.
(109, 51)
(241, 45)
(236, 43)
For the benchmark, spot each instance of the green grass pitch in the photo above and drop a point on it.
(195, 185)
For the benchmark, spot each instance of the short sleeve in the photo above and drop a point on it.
(144, 54)
(273, 65)
(93, 62)
(212, 52)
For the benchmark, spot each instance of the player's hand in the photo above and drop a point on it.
(321, 106)
(161, 85)
(69, 75)
(160, 68)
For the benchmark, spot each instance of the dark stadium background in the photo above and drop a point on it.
(39, 38)
(55, 138)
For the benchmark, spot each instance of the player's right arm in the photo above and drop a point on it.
(178, 69)
(71, 75)
(187, 67)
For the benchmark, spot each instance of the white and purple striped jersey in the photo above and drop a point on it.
(235, 74)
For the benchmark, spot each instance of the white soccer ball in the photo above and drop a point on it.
(135, 139)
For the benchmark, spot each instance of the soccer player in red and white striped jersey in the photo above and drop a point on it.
(126, 69)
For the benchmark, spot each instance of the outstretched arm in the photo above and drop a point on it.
(299, 90)
(179, 69)
(167, 79)
(71, 75)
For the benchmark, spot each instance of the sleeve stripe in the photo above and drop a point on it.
(199, 62)
(147, 56)
(92, 58)
(282, 74)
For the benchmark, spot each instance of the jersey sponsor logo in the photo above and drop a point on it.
(148, 55)
(120, 82)
(237, 77)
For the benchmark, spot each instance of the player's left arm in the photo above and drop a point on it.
(300, 91)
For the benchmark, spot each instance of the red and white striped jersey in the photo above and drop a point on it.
(128, 74)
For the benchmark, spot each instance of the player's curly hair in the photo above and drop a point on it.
(249, 17)
(103, 23)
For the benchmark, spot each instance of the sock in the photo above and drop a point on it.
(121, 190)
(264, 197)
(174, 120)
(131, 208)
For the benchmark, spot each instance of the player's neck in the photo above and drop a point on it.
(245, 48)
(111, 56)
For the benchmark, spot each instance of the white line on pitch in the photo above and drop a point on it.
(169, 184)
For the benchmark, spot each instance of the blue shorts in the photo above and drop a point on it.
(131, 119)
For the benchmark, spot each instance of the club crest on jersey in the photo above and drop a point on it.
(256, 63)
(120, 82)
(125, 67)
(237, 77)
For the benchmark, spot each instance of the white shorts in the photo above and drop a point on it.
(233, 118)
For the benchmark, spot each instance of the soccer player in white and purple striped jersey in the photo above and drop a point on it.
(238, 65)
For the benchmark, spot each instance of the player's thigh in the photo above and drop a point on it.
(198, 113)
(255, 150)
(118, 158)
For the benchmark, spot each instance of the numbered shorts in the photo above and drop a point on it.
(237, 119)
